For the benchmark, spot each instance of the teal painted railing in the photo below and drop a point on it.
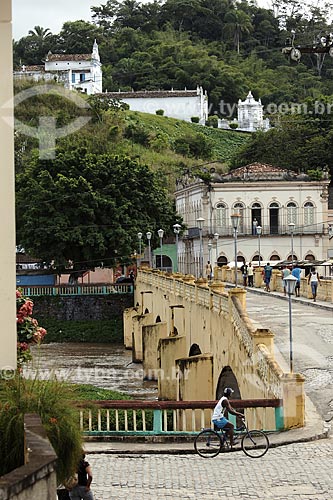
(84, 289)
(142, 418)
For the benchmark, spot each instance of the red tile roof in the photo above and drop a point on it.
(150, 94)
(68, 57)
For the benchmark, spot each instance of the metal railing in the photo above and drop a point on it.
(144, 418)
(84, 289)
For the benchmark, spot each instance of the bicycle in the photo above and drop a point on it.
(209, 442)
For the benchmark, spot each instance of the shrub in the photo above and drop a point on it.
(196, 145)
(195, 119)
(160, 112)
(233, 125)
(52, 401)
(212, 121)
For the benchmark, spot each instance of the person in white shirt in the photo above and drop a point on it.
(218, 418)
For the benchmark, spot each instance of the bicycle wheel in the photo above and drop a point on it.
(255, 444)
(208, 443)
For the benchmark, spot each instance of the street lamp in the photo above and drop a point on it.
(160, 233)
(235, 222)
(139, 235)
(210, 244)
(149, 249)
(216, 238)
(291, 226)
(259, 228)
(176, 230)
(200, 222)
(290, 289)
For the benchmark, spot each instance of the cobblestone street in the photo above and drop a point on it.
(297, 471)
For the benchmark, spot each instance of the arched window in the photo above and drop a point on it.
(275, 257)
(239, 208)
(221, 218)
(222, 261)
(274, 218)
(291, 213)
(310, 257)
(308, 216)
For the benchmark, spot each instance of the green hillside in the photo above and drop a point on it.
(164, 144)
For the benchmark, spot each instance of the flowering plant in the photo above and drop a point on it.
(28, 330)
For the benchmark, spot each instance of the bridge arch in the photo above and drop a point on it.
(227, 379)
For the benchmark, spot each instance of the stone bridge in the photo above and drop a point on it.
(196, 338)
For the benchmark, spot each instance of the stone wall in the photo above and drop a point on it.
(81, 308)
(36, 479)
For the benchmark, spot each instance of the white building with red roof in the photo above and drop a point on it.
(82, 72)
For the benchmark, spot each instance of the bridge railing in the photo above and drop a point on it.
(84, 289)
(144, 418)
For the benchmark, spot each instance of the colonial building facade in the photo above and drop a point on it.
(180, 104)
(291, 209)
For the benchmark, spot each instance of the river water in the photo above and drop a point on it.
(102, 365)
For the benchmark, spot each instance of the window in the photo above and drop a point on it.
(221, 217)
(73, 77)
(82, 77)
(274, 218)
(308, 215)
(239, 208)
(291, 213)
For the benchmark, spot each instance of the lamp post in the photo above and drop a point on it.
(290, 288)
(149, 249)
(160, 233)
(139, 235)
(176, 230)
(291, 226)
(210, 245)
(235, 222)
(259, 229)
(216, 238)
(200, 222)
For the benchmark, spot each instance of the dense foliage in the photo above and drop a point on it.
(227, 46)
(52, 401)
(84, 210)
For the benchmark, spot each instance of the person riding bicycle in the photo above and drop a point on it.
(218, 417)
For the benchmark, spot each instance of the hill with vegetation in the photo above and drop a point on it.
(112, 178)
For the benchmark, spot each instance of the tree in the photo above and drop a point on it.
(88, 208)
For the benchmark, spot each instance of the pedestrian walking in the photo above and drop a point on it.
(81, 490)
(244, 270)
(250, 273)
(284, 273)
(313, 281)
(209, 270)
(297, 272)
(267, 276)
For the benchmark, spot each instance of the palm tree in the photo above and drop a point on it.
(40, 33)
(237, 22)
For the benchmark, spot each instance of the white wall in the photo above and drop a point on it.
(7, 196)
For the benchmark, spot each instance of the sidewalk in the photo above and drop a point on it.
(303, 300)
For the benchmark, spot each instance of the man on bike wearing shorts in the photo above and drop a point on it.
(218, 417)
